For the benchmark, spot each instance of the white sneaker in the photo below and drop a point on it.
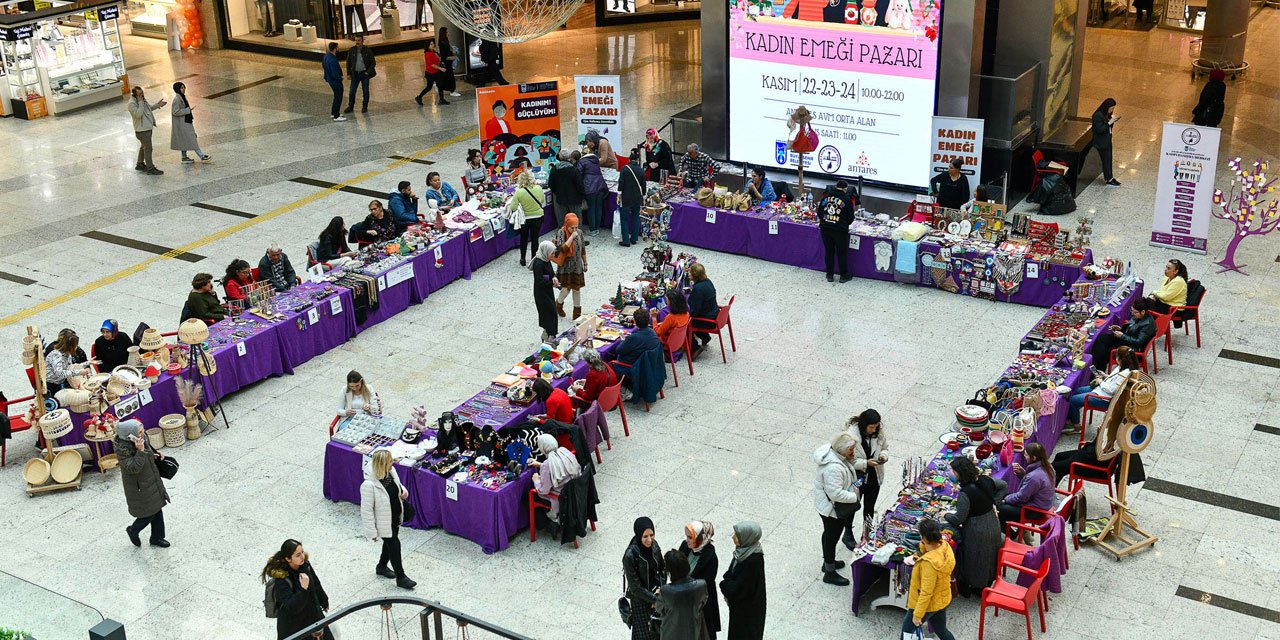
(340, 119)
(454, 94)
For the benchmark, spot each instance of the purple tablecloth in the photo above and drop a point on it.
(864, 573)
(796, 244)
(454, 263)
(488, 518)
(483, 251)
(300, 340)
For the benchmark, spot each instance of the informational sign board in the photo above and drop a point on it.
(1184, 188)
(957, 138)
(867, 75)
(600, 108)
(519, 125)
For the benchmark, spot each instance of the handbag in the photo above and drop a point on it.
(624, 605)
(846, 510)
(167, 466)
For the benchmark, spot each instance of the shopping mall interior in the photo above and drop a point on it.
(750, 445)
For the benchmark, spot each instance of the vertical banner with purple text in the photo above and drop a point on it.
(600, 108)
(1184, 187)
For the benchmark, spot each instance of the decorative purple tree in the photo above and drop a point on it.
(1247, 206)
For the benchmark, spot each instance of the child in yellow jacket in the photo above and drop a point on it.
(930, 592)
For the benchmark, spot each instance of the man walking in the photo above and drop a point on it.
(492, 60)
(835, 214)
(144, 123)
(360, 67)
(333, 76)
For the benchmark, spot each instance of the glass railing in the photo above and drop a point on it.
(41, 613)
(407, 618)
(1010, 104)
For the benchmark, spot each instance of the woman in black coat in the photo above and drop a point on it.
(743, 585)
(704, 565)
(111, 349)
(299, 597)
(544, 286)
(644, 570)
(1208, 111)
(1103, 119)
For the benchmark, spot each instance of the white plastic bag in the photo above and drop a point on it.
(617, 223)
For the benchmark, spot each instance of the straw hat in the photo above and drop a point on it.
(151, 340)
(56, 423)
(193, 331)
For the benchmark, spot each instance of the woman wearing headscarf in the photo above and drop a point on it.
(558, 468)
(703, 565)
(111, 349)
(571, 272)
(544, 284)
(644, 570)
(144, 490)
(743, 585)
(183, 134)
(600, 146)
(1104, 118)
(299, 597)
(1208, 111)
(976, 521)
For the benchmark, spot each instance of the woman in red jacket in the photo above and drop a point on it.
(559, 406)
(600, 376)
(238, 275)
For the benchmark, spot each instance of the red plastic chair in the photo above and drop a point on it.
(1064, 508)
(1011, 597)
(611, 398)
(1075, 479)
(534, 505)
(678, 340)
(1086, 414)
(716, 326)
(1189, 313)
(1014, 549)
(1042, 169)
(17, 423)
(333, 425)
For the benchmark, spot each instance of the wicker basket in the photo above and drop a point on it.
(56, 423)
(151, 340)
(155, 437)
(36, 471)
(193, 331)
(173, 426)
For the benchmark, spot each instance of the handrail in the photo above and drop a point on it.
(429, 608)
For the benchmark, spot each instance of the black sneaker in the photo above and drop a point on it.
(849, 542)
(348, 110)
(832, 577)
(1113, 182)
(140, 167)
(443, 101)
(162, 543)
(844, 279)
(406, 583)
(831, 278)
(133, 537)
(385, 572)
(154, 172)
(418, 100)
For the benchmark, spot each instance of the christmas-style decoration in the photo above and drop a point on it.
(1247, 206)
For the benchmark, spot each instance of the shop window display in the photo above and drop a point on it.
(62, 62)
(149, 17)
(331, 19)
(608, 11)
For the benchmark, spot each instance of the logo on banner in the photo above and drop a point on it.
(862, 167)
(829, 159)
(780, 152)
(1190, 137)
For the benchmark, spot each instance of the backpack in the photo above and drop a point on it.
(269, 602)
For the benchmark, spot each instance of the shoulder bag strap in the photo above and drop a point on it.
(535, 198)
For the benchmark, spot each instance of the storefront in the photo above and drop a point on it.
(60, 57)
(300, 28)
(149, 18)
(613, 12)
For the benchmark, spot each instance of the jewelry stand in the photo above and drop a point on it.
(194, 374)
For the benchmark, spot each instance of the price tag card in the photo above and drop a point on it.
(855, 241)
(382, 282)
(773, 227)
(1033, 270)
(313, 315)
(711, 216)
(240, 350)
(145, 397)
(399, 274)
(335, 306)
(439, 253)
(451, 490)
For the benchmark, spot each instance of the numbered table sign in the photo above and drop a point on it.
(773, 227)
(711, 216)
(451, 490)
(313, 315)
(145, 397)
(855, 241)
(1033, 270)
(240, 350)
(335, 306)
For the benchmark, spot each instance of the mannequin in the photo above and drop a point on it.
(353, 9)
(267, 11)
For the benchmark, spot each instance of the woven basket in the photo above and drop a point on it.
(155, 436)
(66, 466)
(151, 340)
(36, 471)
(193, 331)
(75, 399)
(56, 423)
(175, 437)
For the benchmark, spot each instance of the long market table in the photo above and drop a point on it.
(1048, 429)
(776, 238)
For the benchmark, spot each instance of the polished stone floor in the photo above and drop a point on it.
(731, 443)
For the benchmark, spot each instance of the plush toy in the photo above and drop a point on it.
(898, 15)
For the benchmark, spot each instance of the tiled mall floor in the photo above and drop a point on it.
(732, 443)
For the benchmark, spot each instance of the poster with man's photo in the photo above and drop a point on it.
(519, 125)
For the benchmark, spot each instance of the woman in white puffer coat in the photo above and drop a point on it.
(835, 484)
